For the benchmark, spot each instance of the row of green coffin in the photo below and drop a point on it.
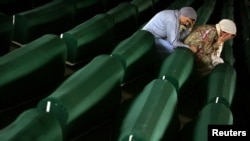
(77, 104)
(159, 97)
(153, 122)
(29, 73)
(176, 85)
(131, 51)
(82, 94)
(151, 115)
(84, 99)
(101, 33)
(51, 20)
(45, 19)
(175, 81)
(66, 102)
(174, 72)
(215, 104)
(105, 29)
(97, 35)
(217, 100)
(39, 61)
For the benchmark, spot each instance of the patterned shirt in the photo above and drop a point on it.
(204, 38)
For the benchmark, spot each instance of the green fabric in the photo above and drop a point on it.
(152, 114)
(136, 53)
(33, 125)
(85, 9)
(31, 71)
(109, 4)
(6, 33)
(87, 95)
(46, 19)
(221, 83)
(204, 12)
(177, 67)
(145, 10)
(89, 39)
(227, 53)
(211, 114)
(125, 19)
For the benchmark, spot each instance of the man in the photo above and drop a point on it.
(208, 41)
(170, 27)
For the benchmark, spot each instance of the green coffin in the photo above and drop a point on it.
(177, 67)
(31, 71)
(125, 17)
(52, 18)
(89, 39)
(87, 96)
(136, 53)
(33, 125)
(221, 85)
(152, 115)
(211, 114)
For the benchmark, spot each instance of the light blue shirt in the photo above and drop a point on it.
(166, 25)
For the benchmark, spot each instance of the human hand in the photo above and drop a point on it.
(191, 25)
(221, 39)
(193, 49)
(224, 37)
(216, 60)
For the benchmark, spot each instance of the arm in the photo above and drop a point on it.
(173, 36)
(194, 41)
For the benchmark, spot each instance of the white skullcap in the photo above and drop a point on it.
(228, 26)
(188, 12)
